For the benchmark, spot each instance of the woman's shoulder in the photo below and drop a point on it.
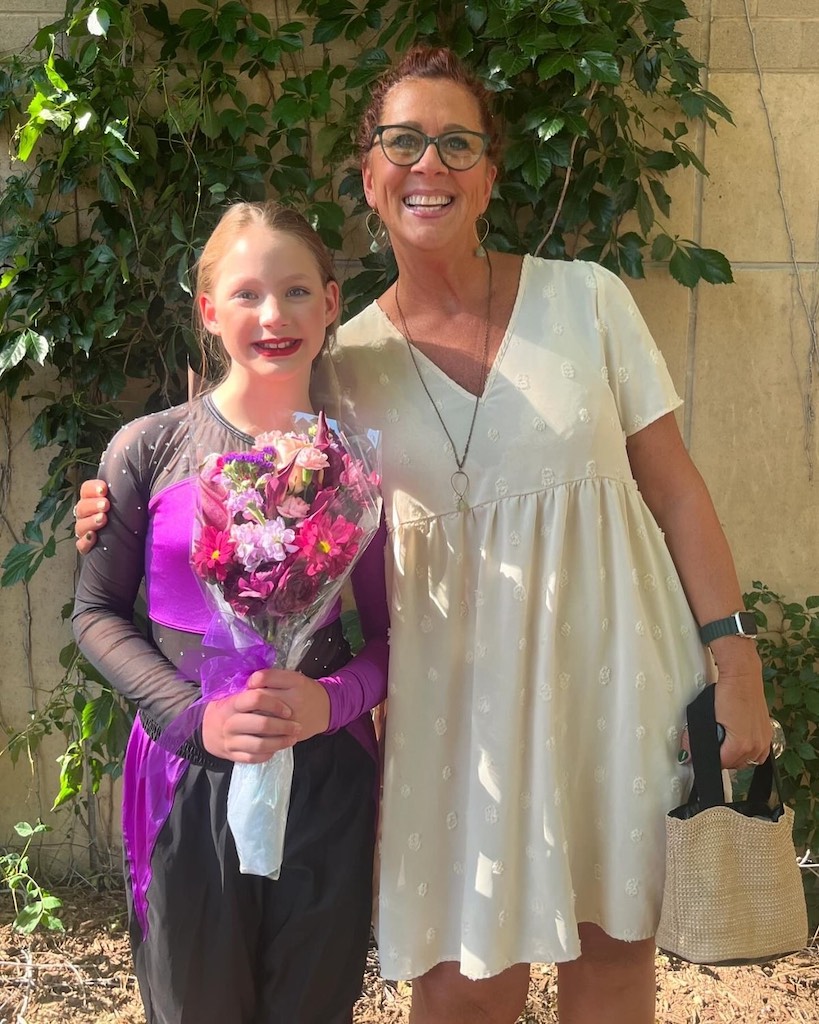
(363, 327)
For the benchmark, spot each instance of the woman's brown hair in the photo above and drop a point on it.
(427, 62)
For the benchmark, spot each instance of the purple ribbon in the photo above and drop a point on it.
(238, 652)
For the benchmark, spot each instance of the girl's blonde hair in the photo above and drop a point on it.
(272, 215)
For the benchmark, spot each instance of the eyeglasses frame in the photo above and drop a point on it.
(429, 140)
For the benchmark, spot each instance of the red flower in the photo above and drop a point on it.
(329, 544)
(212, 553)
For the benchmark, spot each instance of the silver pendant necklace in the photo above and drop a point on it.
(460, 478)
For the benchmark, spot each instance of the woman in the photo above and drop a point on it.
(553, 550)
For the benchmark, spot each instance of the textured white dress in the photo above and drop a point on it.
(542, 649)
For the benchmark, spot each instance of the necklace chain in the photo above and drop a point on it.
(459, 479)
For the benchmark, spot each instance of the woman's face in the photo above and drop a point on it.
(426, 205)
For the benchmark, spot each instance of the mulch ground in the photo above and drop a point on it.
(84, 977)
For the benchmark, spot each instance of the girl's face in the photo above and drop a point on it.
(269, 305)
(426, 205)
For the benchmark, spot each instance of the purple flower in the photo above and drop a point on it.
(257, 543)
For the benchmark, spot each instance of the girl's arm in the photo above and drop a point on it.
(110, 577)
(679, 501)
(362, 683)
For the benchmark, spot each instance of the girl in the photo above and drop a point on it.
(211, 944)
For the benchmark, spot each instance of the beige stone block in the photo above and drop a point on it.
(748, 436)
(33, 8)
(18, 31)
(742, 210)
(809, 55)
(778, 44)
(730, 8)
(787, 8)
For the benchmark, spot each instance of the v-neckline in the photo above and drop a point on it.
(432, 366)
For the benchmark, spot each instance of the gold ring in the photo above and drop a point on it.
(753, 762)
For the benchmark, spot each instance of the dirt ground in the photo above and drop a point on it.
(84, 977)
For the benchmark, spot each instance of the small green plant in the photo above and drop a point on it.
(33, 905)
(789, 648)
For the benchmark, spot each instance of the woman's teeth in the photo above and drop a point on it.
(428, 201)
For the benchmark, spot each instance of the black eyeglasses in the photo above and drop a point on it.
(404, 146)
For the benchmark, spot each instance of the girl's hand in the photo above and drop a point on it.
(305, 697)
(90, 514)
(249, 727)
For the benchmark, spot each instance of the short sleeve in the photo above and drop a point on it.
(634, 367)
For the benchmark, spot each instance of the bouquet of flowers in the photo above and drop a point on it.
(279, 529)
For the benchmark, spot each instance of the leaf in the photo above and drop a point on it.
(683, 269)
(631, 260)
(567, 12)
(536, 168)
(661, 247)
(661, 160)
(645, 211)
(602, 67)
(661, 197)
(28, 918)
(713, 267)
(24, 829)
(549, 67)
(99, 21)
(13, 352)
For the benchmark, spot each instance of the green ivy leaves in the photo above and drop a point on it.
(789, 648)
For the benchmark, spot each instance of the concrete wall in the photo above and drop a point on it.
(739, 354)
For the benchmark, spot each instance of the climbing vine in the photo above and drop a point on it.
(131, 125)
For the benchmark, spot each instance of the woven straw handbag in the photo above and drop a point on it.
(733, 889)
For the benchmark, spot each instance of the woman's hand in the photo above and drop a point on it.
(278, 709)
(90, 514)
(739, 703)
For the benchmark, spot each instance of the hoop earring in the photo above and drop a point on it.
(379, 237)
(480, 252)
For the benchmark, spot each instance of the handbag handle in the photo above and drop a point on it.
(702, 736)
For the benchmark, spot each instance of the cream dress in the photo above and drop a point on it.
(542, 649)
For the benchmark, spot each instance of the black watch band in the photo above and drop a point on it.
(738, 624)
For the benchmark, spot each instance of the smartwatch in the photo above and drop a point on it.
(738, 624)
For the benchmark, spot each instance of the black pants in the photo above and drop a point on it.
(227, 948)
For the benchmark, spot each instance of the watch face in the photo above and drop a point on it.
(747, 622)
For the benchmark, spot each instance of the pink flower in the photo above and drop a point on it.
(309, 458)
(213, 553)
(286, 445)
(293, 508)
(214, 496)
(328, 543)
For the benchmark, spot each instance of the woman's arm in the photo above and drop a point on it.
(679, 501)
(90, 513)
